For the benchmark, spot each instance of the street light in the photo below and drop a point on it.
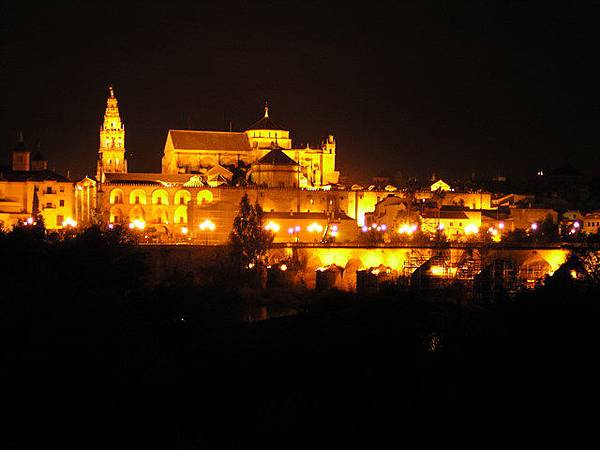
(207, 226)
(137, 223)
(334, 231)
(315, 228)
(294, 230)
(272, 226)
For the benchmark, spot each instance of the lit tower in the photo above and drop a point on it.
(111, 155)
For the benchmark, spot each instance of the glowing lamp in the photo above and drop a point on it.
(575, 224)
(272, 226)
(534, 226)
(283, 267)
(297, 228)
(471, 229)
(207, 225)
(383, 227)
(69, 222)
(29, 220)
(407, 229)
(137, 223)
(291, 230)
(365, 229)
(315, 227)
(184, 230)
(573, 274)
(501, 225)
(437, 271)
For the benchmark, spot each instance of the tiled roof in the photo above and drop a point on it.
(277, 158)
(209, 140)
(36, 175)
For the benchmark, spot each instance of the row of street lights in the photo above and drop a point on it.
(315, 228)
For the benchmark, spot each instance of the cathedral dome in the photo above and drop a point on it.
(266, 123)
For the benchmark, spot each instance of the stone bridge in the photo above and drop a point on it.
(532, 263)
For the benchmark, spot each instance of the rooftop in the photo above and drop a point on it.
(7, 174)
(209, 140)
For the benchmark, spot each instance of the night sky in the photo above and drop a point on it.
(484, 87)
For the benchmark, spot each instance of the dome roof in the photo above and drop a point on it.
(277, 158)
(265, 123)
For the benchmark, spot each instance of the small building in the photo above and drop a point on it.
(591, 223)
(28, 188)
(440, 185)
(310, 226)
(392, 211)
(523, 218)
(455, 224)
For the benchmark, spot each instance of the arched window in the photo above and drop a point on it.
(116, 215)
(137, 197)
(159, 215)
(204, 197)
(160, 197)
(180, 215)
(116, 197)
(182, 197)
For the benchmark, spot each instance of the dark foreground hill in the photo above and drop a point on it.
(369, 372)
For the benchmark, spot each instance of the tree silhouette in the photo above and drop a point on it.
(249, 240)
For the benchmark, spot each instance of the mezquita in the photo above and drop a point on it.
(205, 173)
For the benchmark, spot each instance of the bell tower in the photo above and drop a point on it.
(111, 154)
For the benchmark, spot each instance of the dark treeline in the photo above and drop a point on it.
(97, 357)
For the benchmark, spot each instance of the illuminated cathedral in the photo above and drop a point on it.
(204, 175)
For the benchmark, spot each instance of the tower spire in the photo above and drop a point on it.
(266, 109)
(111, 154)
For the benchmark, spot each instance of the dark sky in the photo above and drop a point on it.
(485, 87)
